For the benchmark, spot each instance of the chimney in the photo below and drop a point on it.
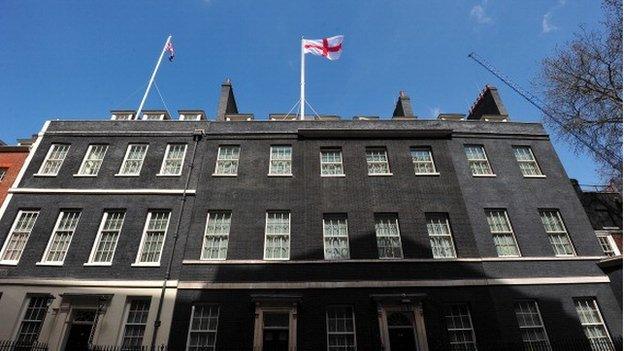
(403, 109)
(227, 102)
(488, 106)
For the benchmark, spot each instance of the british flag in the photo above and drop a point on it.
(169, 48)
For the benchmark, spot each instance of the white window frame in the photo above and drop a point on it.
(340, 217)
(511, 232)
(12, 233)
(533, 161)
(369, 163)
(47, 158)
(215, 331)
(332, 149)
(449, 235)
(484, 159)
(431, 161)
(377, 236)
(85, 160)
(328, 333)
(24, 310)
(271, 171)
(190, 117)
(148, 116)
(3, 173)
(166, 158)
(206, 235)
(266, 226)
(98, 238)
(609, 241)
(600, 323)
(540, 326)
(449, 314)
(122, 335)
(44, 261)
(235, 174)
(551, 233)
(137, 261)
(122, 117)
(125, 159)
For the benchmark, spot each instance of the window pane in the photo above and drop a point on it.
(154, 236)
(173, 160)
(216, 236)
(557, 233)
(33, 319)
(280, 160)
(18, 237)
(526, 161)
(54, 159)
(138, 310)
(336, 237)
(133, 161)
(203, 328)
(388, 236)
(277, 235)
(440, 236)
(340, 328)
(331, 162)
(477, 160)
(422, 160)
(227, 160)
(93, 160)
(61, 237)
(106, 241)
(459, 326)
(534, 335)
(593, 324)
(502, 233)
(377, 161)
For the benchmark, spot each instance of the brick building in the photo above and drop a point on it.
(11, 160)
(238, 234)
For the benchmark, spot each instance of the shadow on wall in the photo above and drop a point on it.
(491, 307)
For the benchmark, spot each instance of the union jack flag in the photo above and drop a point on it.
(169, 48)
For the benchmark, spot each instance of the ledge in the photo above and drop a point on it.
(97, 264)
(539, 176)
(91, 191)
(85, 175)
(280, 175)
(168, 175)
(224, 175)
(44, 175)
(333, 175)
(126, 175)
(380, 174)
(484, 175)
(434, 174)
(148, 265)
(51, 264)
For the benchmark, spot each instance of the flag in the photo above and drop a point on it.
(170, 50)
(331, 48)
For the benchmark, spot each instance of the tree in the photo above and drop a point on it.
(582, 86)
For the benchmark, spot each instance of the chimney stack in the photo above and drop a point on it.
(403, 108)
(488, 106)
(227, 102)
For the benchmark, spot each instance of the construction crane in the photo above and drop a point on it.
(604, 154)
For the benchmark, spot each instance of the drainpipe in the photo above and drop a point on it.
(197, 136)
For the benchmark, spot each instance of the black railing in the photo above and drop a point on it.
(127, 348)
(12, 345)
(572, 344)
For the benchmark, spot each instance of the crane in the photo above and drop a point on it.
(604, 154)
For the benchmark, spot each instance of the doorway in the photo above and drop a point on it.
(275, 333)
(80, 329)
(401, 331)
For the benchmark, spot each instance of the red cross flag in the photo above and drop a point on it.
(331, 47)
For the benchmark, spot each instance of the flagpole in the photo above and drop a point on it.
(302, 97)
(151, 81)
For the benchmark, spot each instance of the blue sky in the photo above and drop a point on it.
(80, 59)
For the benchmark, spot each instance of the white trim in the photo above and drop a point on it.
(84, 159)
(513, 234)
(126, 158)
(208, 285)
(84, 175)
(203, 248)
(98, 237)
(330, 149)
(270, 174)
(101, 191)
(266, 222)
(47, 158)
(162, 166)
(137, 261)
(218, 159)
(333, 175)
(280, 175)
(190, 328)
(535, 176)
(380, 174)
(11, 233)
(97, 264)
(484, 175)
(405, 260)
(433, 174)
(43, 261)
(428, 149)
(156, 284)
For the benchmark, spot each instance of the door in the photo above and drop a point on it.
(401, 331)
(80, 330)
(275, 331)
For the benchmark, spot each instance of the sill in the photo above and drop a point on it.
(445, 258)
(333, 175)
(390, 258)
(380, 174)
(276, 259)
(151, 264)
(85, 175)
(52, 264)
(168, 175)
(98, 264)
(126, 175)
(44, 175)
(433, 174)
(212, 259)
(509, 256)
(535, 176)
(564, 256)
(224, 175)
(8, 263)
(484, 175)
(279, 175)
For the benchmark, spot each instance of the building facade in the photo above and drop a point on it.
(238, 234)
(12, 158)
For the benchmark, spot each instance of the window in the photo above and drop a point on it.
(281, 160)
(33, 318)
(18, 236)
(527, 162)
(137, 311)
(502, 232)
(133, 161)
(607, 243)
(153, 116)
(593, 324)
(331, 162)
(3, 172)
(122, 117)
(477, 159)
(459, 326)
(531, 325)
(388, 236)
(106, 239)
(202, 335)
(61, 237)
(557, 233)
(377, 161)
(440, 236)
(153, 237)
(93, 160)
(216, 236)
(190, 117)
(340, 329)
(277, 236)
(173, 160)
(227, 160)
(53, 160)
(336, 237)
(422, 160)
